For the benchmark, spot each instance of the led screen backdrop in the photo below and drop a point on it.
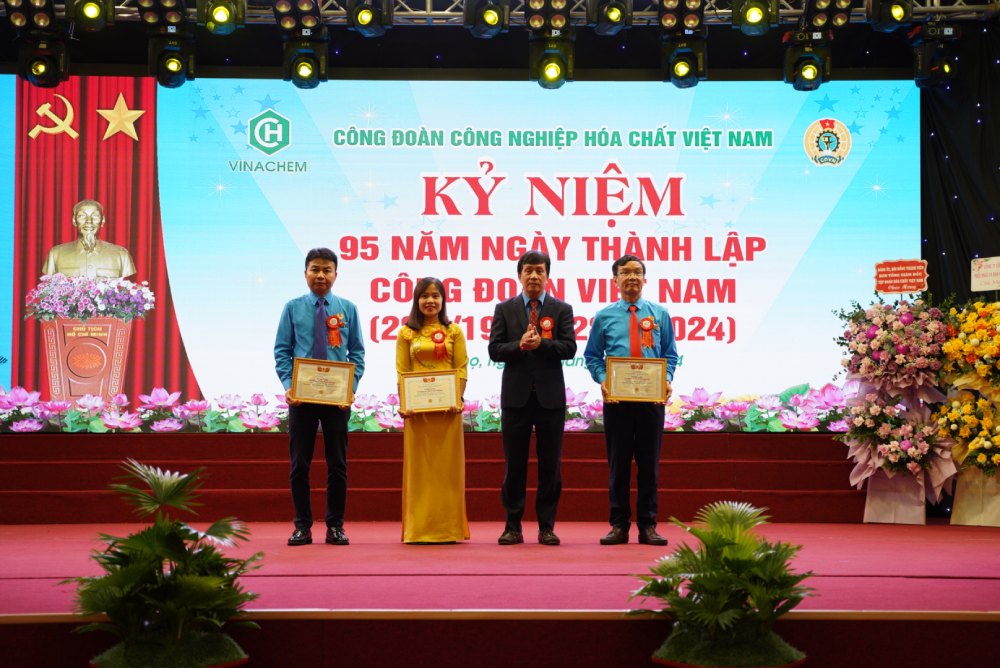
(759, 210)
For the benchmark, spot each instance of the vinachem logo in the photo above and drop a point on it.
(269, 132)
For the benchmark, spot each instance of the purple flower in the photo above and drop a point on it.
(257, 399)
(672, 421)
(88, 404)
(573, 400)
(119, 400)
(577, 424)
(392, 399)
(20, 397)
(230, 402)
(710, 424)
(170, 424)
(840, 426)
(871, 332)
(732, 410)
(126, 421)
(700, 399)
(282, 402)
(50, 409)
(769, 404)
(792, 420)
(365, 403)
(159, 398)
(592, 411)
(906, 318)
(470, 407)
(262, 420)
(29, 425)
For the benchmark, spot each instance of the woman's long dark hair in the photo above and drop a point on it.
(416, 319)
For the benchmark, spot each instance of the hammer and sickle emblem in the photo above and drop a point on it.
(61, 124)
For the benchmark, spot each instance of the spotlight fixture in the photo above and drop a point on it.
(44, 64)
(486, 18)
(30, 14)
(934, 59)
(547, 16)
(371, 18)
(171, 59)
(681, 18)
(609, 17)
(550, 57)
(807, 59)
(755, 17)
(684, 61)
(888, 15)
(305, 62)
(221, 17)
(168, 14)
(300, 17)
(91, 15)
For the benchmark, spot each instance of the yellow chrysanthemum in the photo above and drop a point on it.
(981, 458)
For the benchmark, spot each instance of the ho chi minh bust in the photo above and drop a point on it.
(88, 255)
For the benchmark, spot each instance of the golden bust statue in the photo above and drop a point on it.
(88, 255)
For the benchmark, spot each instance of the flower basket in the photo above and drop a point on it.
(895, 499)
(977, 499)
(85, 357)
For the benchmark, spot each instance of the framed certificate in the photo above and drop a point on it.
(425, 391)
(637, 379)
(323, 382)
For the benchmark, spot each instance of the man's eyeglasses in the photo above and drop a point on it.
(626, 272)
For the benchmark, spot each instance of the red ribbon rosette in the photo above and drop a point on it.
(333, 326)
(547, 324)
(438, 338)
(646, 327)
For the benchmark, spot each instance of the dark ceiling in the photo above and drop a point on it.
(450, 52)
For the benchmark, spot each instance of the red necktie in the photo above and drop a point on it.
(533, 315)
(634, 346)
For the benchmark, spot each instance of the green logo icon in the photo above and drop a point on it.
(269, 132)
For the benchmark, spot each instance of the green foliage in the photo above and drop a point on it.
(731, 587)
(169, 580)
(203, 649)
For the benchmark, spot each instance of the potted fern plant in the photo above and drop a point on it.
(725, 594)
(167, 590)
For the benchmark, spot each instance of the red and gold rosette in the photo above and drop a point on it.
(646, 327)
(333, 329)
(547, 324)
(438, 337)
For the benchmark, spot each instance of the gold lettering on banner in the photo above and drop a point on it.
(121, 119)
(61, 124)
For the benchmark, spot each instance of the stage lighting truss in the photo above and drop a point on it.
(221, 17)
(888, 15)
(609, 17)
(298, 17)
(547, 17)
(91, 15)
(935, 61)
(755, 17)
(305, 61)
(807, 59)
(550, 57)
(171, 58)
(44, 64)
(486, 18)
(31, 15)
(371, 18)
(684, 60)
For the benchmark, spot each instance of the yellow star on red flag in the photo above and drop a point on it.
(121, 119)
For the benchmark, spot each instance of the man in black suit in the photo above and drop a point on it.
(531, 334)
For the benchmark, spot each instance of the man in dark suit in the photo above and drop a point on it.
(531, 334)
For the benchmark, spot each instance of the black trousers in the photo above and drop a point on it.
(302, 426)
(633, 431)
(516, 425)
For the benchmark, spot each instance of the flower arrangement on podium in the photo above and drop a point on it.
(969, 419)
(972, 354)
(86, 326)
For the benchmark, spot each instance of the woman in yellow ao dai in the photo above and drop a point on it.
(433, 442)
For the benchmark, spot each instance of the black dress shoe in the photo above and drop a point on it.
(648, 536)
(510, 537)
(336, 536)
(547, 537)
(617, 536)
(301, 537)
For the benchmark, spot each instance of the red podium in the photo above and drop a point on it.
(85, 357)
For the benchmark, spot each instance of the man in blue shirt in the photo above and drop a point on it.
(318, 325)
(632, 327)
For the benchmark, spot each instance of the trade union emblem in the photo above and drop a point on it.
(827, 142)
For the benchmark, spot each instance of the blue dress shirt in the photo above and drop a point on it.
(295, 335)
(609, 337)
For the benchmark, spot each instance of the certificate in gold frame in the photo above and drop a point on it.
(323, 382)
(637, 379)
(428, 391)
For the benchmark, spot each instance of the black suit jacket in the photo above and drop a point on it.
(540, 368)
